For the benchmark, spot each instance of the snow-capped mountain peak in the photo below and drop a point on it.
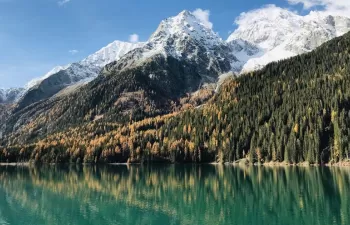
(86, 70)
(187, 40)
(183, 37)
(185, 25)
(36, 81)
(266, 27)
(89, 67)
(112, 52)
(263, 35)
(280, 33)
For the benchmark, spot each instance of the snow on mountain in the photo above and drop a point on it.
(263, 36)
(174, 33)
(89, 67)
(243, 50)
(62, 77)
(280, 33)
(36, 81)
(185, 37)
(267, 27)
(10, 94)
(2, 95)
(183, 26)
(112, 52)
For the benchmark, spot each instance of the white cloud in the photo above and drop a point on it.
(271, 12)
(134, 38)
(73, 51)
(203, 16)
(62, 2)
(335, 7)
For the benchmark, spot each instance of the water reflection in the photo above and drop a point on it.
(174, 194)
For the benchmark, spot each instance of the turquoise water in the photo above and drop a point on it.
(174, 194)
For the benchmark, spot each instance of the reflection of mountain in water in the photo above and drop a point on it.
(174, 194)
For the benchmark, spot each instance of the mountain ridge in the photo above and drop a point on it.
(281, 34)
(267, 36)
(147, 81)
(295, 111)
(84, 71)
(182, 57)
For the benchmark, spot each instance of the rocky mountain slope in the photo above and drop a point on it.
(63, 76)
(183, 38)
(180, 57)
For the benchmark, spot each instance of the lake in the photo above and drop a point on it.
(174, 194)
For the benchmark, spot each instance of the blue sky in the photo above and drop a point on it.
(36, 35)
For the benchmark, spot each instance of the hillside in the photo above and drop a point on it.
(180, 58)
(294, 110)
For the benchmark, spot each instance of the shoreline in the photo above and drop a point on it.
(285, 164)
(237, 163)
(15, 164)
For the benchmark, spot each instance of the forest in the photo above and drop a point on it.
(295, 110)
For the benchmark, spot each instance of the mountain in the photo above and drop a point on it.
(292, 111)
(263, 36)
(64, 76)
(182, 37)
(10, 95)
(178, 69)
(280, 33)
(38, 80)
(185, 38)
(181, 57)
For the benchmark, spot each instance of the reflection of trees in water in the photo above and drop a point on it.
(190, 194)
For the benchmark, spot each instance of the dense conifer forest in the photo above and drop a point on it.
(295, 110)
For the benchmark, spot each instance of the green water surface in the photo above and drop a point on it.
(174, 194)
